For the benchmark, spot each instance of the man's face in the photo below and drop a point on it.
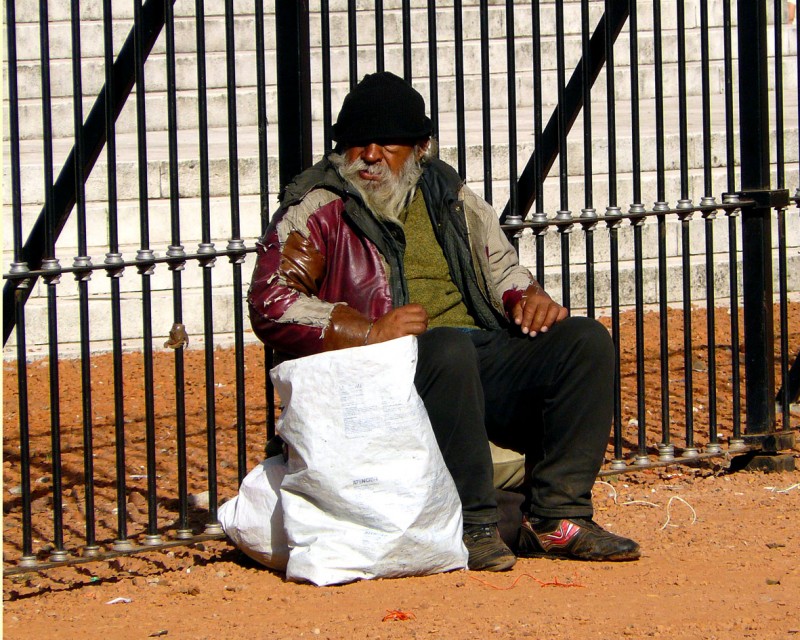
(384, 173)
(380, 156)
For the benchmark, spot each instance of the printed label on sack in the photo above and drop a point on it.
(365, 415)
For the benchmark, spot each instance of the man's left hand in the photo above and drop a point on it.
(536, 311)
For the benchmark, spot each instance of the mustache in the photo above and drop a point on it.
(378, 169)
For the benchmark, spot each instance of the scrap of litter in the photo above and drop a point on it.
(786, 490)
(397, 614)
(542, 583)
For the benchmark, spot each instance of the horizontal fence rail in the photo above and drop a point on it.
(136, 399)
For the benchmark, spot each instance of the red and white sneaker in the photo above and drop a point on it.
(572, 538)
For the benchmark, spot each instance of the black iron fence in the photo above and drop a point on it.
(674, 124)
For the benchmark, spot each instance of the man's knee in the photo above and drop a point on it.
(595, 340)
(587, 345)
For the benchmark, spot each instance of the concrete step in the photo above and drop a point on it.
(61, 85)
(30, 110)
(248, 152)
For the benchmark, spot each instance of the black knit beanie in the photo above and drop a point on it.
(382, 107)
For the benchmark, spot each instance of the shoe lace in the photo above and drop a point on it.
(479, 531)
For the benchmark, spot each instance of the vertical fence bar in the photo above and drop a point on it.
(263, 157)
(539, 216)
(235, 244)
(682, 107)
(261, 102)
(611, 110)
(641, 457)
(612, 219)
(708, 188)
(205, 246)
(709, 216)
(19, 266)
(206, 262)
(352, 42)
(28, 558)
(83, 274)
(52, 279)
(588, 213)
(797, 84)
(511, 71)
(637, 207)
(711, 327)
(783, 400)
(756, 232)
(780, 170)
(562, 125)
(406, 11)
(461, 143)
(486, 102)
(563, 214)
(665, 448)
(292, 44)
(658, 64)
(433, 67)
(145, 266)
(380, 63)
(114, 270)
(178, 338)
(736, 442)
(294, 87)
(613, 214)
(685, 214)
(324, 17)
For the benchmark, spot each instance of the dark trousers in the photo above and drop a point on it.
(550, 397)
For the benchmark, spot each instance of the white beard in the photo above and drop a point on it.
(388, 196)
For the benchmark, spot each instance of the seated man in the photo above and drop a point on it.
(382, 240)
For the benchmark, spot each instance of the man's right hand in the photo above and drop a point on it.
(409, 320)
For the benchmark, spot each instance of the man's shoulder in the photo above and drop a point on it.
(443, 170)
(319, 203)
(314, 200)
(447, 175)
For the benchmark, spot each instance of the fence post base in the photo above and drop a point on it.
(767, 463)
(771, 442)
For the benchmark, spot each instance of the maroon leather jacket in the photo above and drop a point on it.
(327, 267)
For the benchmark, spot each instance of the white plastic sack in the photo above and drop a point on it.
(253, 520)
(366, 492)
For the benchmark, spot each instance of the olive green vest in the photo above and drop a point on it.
(426, 270)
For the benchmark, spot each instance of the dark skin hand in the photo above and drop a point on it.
(408, 320)
(536, 312)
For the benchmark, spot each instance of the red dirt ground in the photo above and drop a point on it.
(719, 549)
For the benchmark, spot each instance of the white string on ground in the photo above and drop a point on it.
(786, 490)
(610, 486)
(649, 504)
(669, 506)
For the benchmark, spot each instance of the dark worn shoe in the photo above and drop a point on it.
(487, 551)
(574, 539)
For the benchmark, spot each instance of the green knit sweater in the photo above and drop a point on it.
(426, 270)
